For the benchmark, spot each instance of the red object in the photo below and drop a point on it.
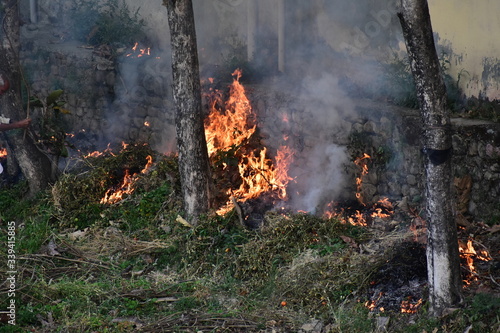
(4, 83)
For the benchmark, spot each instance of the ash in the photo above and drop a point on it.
(402, 279)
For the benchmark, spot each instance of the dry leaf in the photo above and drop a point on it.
(349, 241)
(183, 221)
(77, 234)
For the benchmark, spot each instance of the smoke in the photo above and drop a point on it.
(319, 116)
(327, 43)
(320, 180)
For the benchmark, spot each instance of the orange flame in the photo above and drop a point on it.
(126, 187)
(382, 209)
(408, 307)
(469, 253)
(139, 52)
(97, 153)
(3, 152)
(234, 125)
(383, 205)
(363, 163)
(231, 128)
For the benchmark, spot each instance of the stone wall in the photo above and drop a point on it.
(390, 135)
(112, 95)
(114, 98)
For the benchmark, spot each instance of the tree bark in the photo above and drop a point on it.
(443, 261)
(194, 165)
(35, 165)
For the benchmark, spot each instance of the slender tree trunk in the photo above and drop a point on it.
(443, 262)
(191, 142)
(35, 165)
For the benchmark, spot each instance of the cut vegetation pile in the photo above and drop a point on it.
(135, 266)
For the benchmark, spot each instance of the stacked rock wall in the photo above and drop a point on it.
(115, 98)
(111, 97)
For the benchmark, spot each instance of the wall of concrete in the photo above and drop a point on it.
(468, 31)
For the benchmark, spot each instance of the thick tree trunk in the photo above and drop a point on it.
(191, 142)
(35, 165)
(443, 262)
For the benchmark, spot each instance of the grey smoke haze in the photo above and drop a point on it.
(315, 33)
(318, 169)
(321, 178)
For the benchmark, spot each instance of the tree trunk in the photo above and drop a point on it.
(35, 165)
(194, 165)
(443, 261)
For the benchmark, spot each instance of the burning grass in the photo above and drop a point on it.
(103, 178)
(131, 266)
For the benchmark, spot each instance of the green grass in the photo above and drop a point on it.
(134, 260)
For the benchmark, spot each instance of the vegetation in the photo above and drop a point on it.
(399, 88)
(111, 23)
(132, 266)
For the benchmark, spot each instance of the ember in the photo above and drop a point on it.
(408, 307)
(139, 52)
(3, 153)
(356, 213)
(400, 281)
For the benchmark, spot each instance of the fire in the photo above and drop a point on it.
(372, 304)
(284, 158)
(3, 152)
(97, 153)
(139, 52)
(408, 307)
(357, 219)
(147, 124)
(363, 163)
(231, 127)
(148, 164)
(469, 253)
(235, 124)
(381, 209)
(126, 187)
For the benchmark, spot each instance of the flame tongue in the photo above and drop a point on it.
(127, 186)
(231, 128)
(469, 253)
(362, 162)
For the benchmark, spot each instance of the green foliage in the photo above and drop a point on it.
(12, 205)
(351, 319)
(49, 125)
(283, 239)
(78, 195)
(135, 260)
(398, 84)
(485, 308)
(211, 246)
(111, 23)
